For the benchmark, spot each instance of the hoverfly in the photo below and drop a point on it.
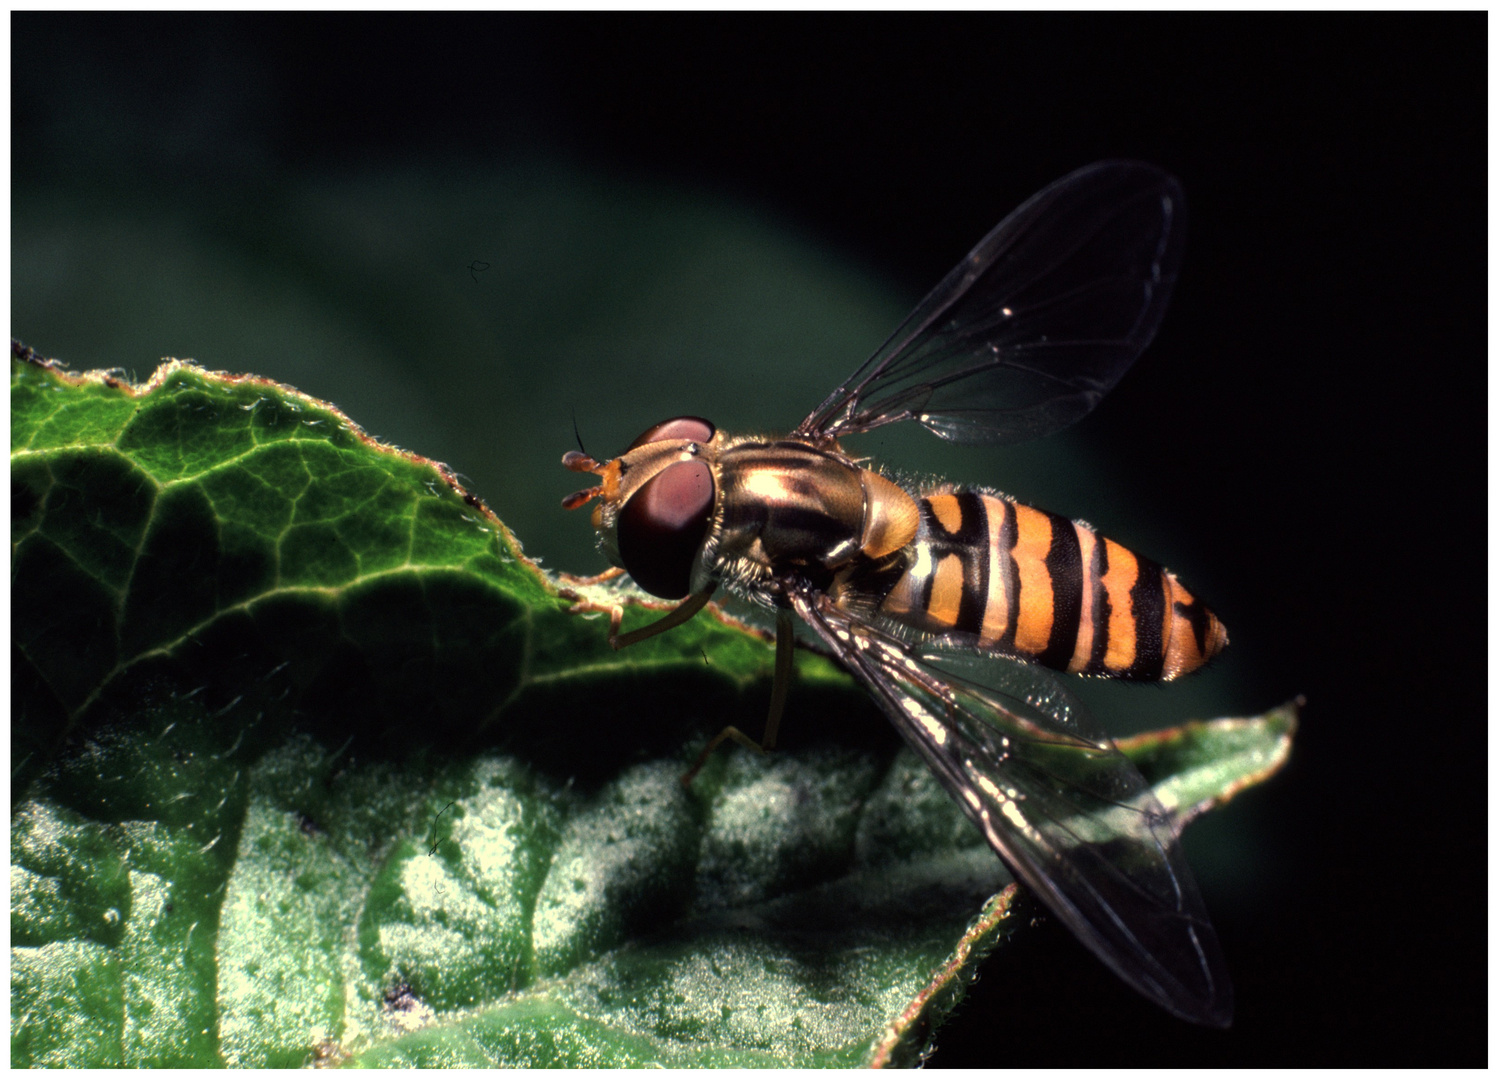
(949, 603)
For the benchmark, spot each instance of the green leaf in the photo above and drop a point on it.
(1202, 764)
(312, 765)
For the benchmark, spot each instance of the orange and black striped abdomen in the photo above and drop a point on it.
(1027, 583)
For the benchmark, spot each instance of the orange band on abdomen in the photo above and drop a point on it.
(1120, 578)
(1035, 606)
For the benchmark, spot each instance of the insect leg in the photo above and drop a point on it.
(785, 661)
(596, 579)
(676, 617)
(730, 732)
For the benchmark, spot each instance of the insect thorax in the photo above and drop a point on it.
(786, 508)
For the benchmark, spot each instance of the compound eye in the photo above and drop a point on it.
(682, 427)
(661, 527)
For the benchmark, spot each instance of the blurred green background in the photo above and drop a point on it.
(473, 314)
(468, 230)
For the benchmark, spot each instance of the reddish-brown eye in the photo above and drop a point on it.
(682, 427)
(662, 526)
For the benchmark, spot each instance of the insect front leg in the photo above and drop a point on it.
(785, 661)
(596, 579)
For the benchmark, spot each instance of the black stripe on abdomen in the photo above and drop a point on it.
(1064, 564)
(1102, 609)
(1148, 601)
(971, 543)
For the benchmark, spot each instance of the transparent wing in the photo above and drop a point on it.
(1037, 324)
(1068, 813)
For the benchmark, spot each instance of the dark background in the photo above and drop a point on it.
(1311, 417)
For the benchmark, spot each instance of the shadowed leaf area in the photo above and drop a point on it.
(311, 765)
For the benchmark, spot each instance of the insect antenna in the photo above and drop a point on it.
(578, 498)
(581, 462)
